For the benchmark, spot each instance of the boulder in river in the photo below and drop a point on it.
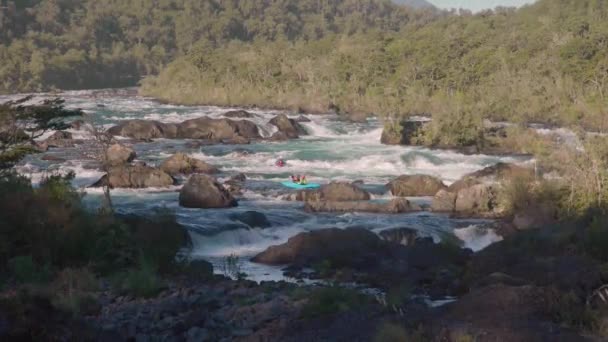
(118, 154)
(395, 206)
(239, 114)
(217, 129)
(180, 163)
(415, 185)
(144, 130)
(492, 174)
(135, 176)
(316, 246)
(335, 192)
(477, 199)
(444, 201)
(202, 191)
(253, 219)
(290, 127)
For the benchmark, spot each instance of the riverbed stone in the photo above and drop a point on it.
(181, 163)
(415, 185)
(203, 191)
(289, 127)
(118, 154)
(135, 176)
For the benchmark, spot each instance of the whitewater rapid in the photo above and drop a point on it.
(332, 150)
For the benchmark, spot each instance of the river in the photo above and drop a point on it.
(332, 150)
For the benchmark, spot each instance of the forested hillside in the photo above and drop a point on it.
(69, 44)
(546, 62)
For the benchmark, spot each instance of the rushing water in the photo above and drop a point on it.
(333, 150)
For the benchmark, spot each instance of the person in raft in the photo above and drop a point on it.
(280, 163)
(299, 179)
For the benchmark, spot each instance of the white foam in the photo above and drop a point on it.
(477, 238)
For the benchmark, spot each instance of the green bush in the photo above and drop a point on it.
(332, 300)
(142, 281)
(391, 332)
(25, 270)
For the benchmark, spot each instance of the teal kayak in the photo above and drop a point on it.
(301, 186)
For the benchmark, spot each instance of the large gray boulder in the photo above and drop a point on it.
(289, 127)
(326, 244)
(444, 201)
(492, 174)
(477, 199)
(217, 129)
(144, 130)
(135, 176)
(118, 154)
(202, 191)
(415, 185)
(335, 192)
(180, 163)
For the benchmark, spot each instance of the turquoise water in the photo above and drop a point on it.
(333, 150)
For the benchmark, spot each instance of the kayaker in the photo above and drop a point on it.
(303, 180)
(280, 163)
(295, 179)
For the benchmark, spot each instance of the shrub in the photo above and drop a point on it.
(25, 270)
(142, 281)
(231, 267)
(159, 238)
(391, 332)
(331, 300)
(73, 292)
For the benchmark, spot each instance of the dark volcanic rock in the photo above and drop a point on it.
(501, 313)
(253, 219)
(180, 163)
(290, 127)
(403, 236)
(415, 185)
(202, 191)
(144, 130)
(316, 246)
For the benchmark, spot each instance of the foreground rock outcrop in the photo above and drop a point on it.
(203, 191)
(180, 163)
(415, 185)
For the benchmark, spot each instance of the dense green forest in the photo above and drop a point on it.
(546, 62)
(69, 44)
